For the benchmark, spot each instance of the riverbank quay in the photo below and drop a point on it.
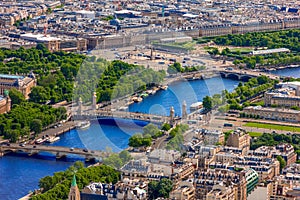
(55, 131)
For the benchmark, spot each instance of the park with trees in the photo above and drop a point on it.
(58, 185)
(270, 40)
(238, 98)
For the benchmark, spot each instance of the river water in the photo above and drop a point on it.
(177, 92)
(19, 174)
(290, 72)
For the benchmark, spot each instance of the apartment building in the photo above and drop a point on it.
(278, 114)
(239, 139)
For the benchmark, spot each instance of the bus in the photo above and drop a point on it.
(228, 125)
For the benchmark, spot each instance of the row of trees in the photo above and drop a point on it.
(276, 59)
(58, 185)
(177, 68)
(277, 39)
(237, 99)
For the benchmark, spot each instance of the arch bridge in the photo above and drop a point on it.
(245, 75)
(58, 151)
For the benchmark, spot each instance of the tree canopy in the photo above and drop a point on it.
(160, 188)
(58, 185)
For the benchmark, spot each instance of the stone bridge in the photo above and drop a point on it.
(245, 75)
(58, 151)
(102, 114)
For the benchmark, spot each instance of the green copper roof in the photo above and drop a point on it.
(74, 181)
(6, 93)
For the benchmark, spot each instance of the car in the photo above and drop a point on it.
(71, 149)
(34, 146)
(85, 150)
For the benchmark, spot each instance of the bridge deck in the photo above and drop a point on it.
(124, 115)
(53, 149)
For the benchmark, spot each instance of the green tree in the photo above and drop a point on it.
(36, 126)
(16, 96)
(160, 189)
(207, 102)
(125, 156)
(262, 80)
(166, 127)
(282, 162)
(114, 161)
(150, 129)
(175, 68)
(39, 95)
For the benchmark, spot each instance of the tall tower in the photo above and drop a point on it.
(172, 113)
(184, 112)
(74, 193)
(94, 103)
(79, 111)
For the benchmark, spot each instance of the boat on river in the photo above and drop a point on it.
(83, 125)
(52, 139)
(137, 99)
(40, 140)
(143, 95)
(164, 87)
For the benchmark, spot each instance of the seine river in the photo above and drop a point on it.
(19, 174)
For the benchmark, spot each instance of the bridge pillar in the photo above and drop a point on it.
(172, 115)
(60, 156)
(184, 112)
(79, 111)
(94, 103)
(32, 152)
(90, 159)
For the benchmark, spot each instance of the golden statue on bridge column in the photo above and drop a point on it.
(184, 112)
(94, 103)
(79, 111)
(172, 115)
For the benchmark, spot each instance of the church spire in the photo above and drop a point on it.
(74, 184)
(74, 193)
